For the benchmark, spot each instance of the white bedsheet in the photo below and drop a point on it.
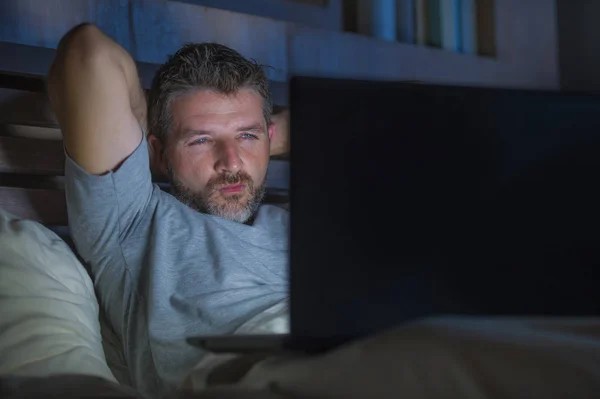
(441, 357)
(48, 309)
(450, 357)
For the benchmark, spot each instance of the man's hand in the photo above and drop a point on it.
(280, 142)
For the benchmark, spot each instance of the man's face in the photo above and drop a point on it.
(218, 152)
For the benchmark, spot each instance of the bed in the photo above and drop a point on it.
(50, 317)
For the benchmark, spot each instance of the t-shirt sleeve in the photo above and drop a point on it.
(103, 210)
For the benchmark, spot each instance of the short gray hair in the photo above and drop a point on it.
(198, 66)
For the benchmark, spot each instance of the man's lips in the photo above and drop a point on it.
(233, 189)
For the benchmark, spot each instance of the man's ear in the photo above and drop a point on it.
(158, 163)
(271, 129)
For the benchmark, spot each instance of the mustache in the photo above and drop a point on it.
(229, 179)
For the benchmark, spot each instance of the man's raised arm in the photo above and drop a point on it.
(95, 92)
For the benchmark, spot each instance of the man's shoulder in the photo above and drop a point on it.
(284, 205)
(274, 217)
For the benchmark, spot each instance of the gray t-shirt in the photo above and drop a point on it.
(165, 272)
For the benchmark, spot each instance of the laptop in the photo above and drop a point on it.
(414, 200)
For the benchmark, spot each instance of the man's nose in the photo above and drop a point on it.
(228, 158)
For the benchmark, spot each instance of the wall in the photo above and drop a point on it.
(323, 14)
(152, 29)
(149, 29)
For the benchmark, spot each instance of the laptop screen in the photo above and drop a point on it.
(411, 200)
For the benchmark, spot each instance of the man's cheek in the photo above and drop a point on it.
(200, 182)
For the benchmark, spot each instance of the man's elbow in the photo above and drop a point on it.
(85, 42)
(83, 50)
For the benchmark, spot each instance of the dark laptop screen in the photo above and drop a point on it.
(411, 200)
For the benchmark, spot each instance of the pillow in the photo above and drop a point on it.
(49, 323)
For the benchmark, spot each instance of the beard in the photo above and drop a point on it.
(237, 207)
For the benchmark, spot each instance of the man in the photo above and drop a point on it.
(202, 261)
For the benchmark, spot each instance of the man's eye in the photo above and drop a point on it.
(249, 136)
(202, 140)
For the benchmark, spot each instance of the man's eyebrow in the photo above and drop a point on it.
(195, 132)
(256, 128)
(252, 128)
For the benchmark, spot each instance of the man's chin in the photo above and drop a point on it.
(238, 207)
(236, 211)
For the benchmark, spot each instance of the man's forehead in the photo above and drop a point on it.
(205, 110)
(211, 102)
(195, 124)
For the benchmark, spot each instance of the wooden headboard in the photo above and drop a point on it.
(31, 151)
